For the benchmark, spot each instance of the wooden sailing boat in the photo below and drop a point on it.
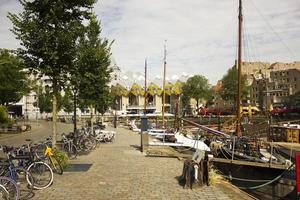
(239, 63)
(239, 161)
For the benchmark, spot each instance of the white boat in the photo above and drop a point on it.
(133, 127)
(159, 133)
(188, 142)
(181, 140)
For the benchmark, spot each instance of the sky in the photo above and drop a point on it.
(201, 35)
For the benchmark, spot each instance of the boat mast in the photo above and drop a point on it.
(145, 90)
(164, 85)
(239, 63)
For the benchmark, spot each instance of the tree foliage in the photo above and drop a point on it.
(13, 79)
(93, 61)
(3, 115)
(294, 100)
(229, 85)
(44, 101)
(196, 87)
(67, 100)
(48, 31)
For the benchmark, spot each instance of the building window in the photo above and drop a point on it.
(295, 79)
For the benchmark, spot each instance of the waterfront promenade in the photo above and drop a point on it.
(119, 171)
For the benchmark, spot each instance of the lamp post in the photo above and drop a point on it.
(144, 119)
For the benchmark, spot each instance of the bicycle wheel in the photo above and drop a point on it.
(39, 151)
(88, 144)
(72, 153)
(4, 194)
(26, 190)
(55, 165)
(9, 190)
(42, 175)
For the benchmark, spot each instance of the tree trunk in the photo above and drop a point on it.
(54, 113)
(75, 114)
(92, 119)
(54, 118)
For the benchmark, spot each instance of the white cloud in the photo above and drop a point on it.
(201, 35)
(175, 77)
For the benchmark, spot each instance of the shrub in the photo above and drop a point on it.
(3, 115)
(62, 157)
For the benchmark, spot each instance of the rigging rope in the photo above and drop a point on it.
(272, 29)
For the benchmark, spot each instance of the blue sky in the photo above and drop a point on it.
(201, 34)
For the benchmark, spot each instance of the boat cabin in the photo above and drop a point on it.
(285, 133)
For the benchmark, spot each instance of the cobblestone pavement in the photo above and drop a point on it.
(38, 133)
(120, 171)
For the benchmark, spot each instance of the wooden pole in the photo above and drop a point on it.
(176, 116)
(145, 90)
(164, 85)
(239, 63)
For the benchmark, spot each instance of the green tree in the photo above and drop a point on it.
(196, 87)
(67, 100)
(294, 100)
(13, 78)
(93, 64)
(229, 86)
(44, 100)
(48, 31)
(3, 115)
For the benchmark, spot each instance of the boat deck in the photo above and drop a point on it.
(248, 163)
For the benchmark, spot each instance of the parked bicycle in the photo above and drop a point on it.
(20, 175)
(40, 171)
(44, 152)
(9, 189)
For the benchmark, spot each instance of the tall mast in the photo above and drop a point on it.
(145, 91)
(239, 63)
(164, 85)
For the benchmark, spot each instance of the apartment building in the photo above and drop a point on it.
(275, 89)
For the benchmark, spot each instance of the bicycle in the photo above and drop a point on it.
(69, 147)
(41, 172)
(18, 174)
(48, 155)
(9, 190)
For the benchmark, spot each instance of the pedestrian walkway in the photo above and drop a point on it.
(119, 171)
